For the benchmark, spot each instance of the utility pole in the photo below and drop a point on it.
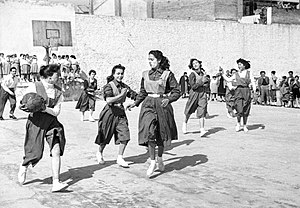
(118, 8)
(150, 8)
(91, 7)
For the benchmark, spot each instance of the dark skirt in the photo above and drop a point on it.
(42, 126)
(229, 98)
(112, 121)
(156, 124)
(242, 101)
(25, 69)
(34, 68)
(197, 101)
(86, 102)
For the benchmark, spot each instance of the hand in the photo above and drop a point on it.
(164, 102)
(130, 106)
(221, 70)
(124, 91)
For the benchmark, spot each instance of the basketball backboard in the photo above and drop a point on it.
(51, 33)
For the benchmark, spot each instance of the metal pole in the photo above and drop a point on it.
(91, 7)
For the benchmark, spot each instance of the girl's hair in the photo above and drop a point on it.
(92, 71)
(191, 63)
(164, 61)
(244, 62)
(113, 71)
(49, 70)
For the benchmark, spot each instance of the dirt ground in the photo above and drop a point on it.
(225, 168)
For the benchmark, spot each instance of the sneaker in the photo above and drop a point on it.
(237, 127)
(22, 174)
(100, 158)
(151, 169)
(203, 132)
(12, 117)
(122, 163)
(245, 129)
(91, 119)
(58, 186)
(160, 164)
(184, 127)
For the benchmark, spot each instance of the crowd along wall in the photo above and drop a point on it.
(102, 42)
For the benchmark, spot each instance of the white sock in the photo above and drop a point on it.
(120, 157)
(152, 162)
(55, 181)
(159, 159)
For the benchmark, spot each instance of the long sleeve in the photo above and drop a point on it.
(142, 94)
(131, 93)
(173, 88)
(196, 84)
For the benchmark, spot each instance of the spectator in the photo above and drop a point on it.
(7, 92)
(263, 86)
(184, 85)
(295, 87)
(274, 89)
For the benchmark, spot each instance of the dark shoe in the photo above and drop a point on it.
(12, 117)
(1, 118)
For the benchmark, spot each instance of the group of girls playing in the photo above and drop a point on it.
(156, 125)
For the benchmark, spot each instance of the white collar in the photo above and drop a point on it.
(46, 84)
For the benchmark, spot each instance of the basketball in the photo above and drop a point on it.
(32, 102)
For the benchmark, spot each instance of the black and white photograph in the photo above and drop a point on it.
(149, 103)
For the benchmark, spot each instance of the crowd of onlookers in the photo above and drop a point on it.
(28, 68)
(284, 91)
(280, 92)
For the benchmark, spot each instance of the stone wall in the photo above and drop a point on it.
(283, 16)
(103, 42)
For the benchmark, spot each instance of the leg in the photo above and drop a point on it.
(12, 100)
(99, 154)
(120, 160)
(56, 163)
(160, 162)
(184, 125)
(202, 130)
(152, 167)
(82, 116)
(3, 100)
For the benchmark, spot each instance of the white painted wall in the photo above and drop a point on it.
(105, 41)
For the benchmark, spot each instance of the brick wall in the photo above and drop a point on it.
(184, 9)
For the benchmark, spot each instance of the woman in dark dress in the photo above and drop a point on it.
(198, 96)
(43, 125)
(184, 85)
(87, 99)
(112, 119)
(157, 126)
(242, 94)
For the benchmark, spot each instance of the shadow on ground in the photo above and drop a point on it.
(77, 174)
(183, 162)
(210, 131)
(256, 126)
